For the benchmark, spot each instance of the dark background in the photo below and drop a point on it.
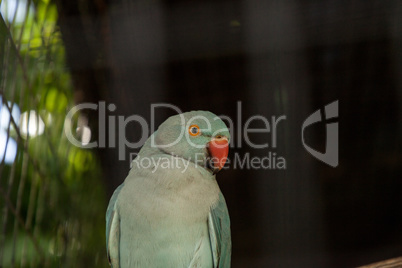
(278, 58)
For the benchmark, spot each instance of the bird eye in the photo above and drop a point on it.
(194, 130)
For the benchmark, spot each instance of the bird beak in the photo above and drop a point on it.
(218, 149)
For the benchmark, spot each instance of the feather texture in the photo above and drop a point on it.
(170, 211)
(113, 230)
(219, 233)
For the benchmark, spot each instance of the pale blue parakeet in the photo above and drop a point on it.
(170, 212)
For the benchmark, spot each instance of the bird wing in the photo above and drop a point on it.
(113, 230)
(219, 234)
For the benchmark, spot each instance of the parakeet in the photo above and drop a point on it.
(169, 211)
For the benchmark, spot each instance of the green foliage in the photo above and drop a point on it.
(55, 188)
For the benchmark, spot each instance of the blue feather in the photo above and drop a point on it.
(113, 229)
(219, 233)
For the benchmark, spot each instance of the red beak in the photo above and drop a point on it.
(218, 149)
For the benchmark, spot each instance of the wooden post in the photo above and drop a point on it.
(391, 263)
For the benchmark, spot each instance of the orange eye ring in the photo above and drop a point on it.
(194, 130)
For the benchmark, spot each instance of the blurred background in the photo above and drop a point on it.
(276, 58)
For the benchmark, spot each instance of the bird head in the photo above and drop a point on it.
(198, 136)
